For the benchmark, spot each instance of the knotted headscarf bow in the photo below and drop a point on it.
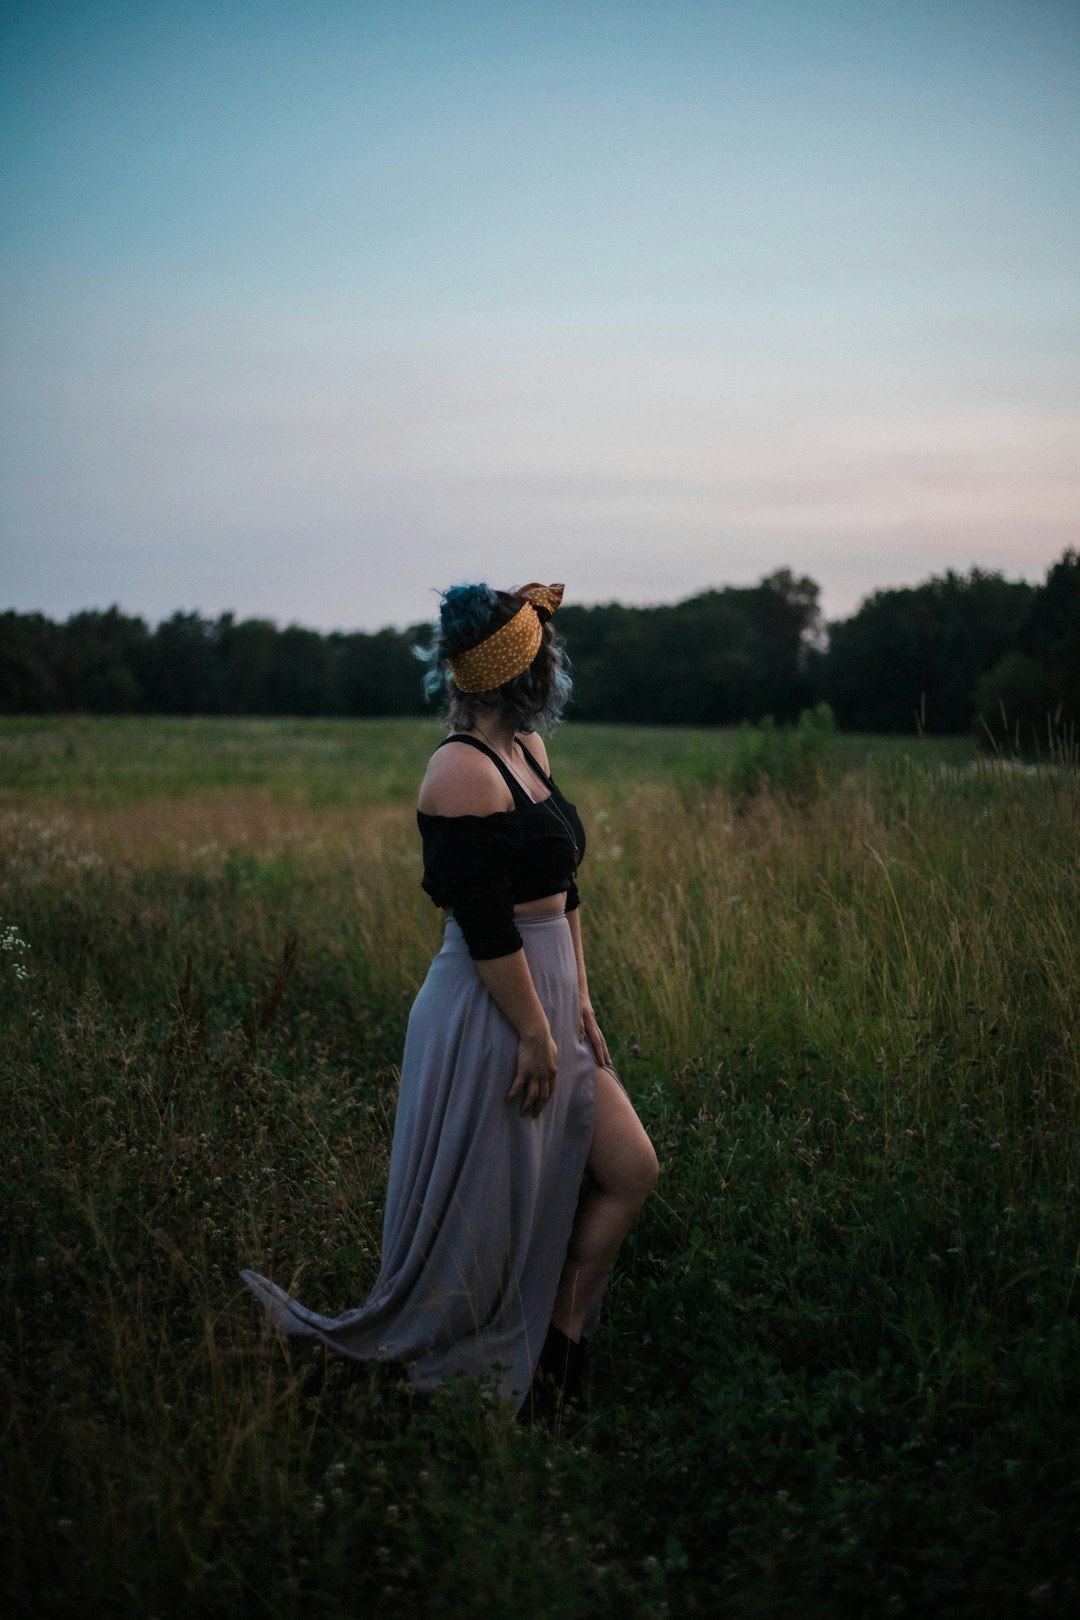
(544, 598)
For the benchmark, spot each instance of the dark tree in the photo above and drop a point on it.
(102, 656)
(302, 677)
(589, 633)
(1052, 631)
(246, 653)
(29, 664)
(1032, 695)
(786, 618)
(183, 673)
(717, 658)
(91, 662)
(379, 674)
(914, 657)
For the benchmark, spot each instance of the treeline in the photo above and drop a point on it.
(961, 652)
(954, 652)
(110, 663)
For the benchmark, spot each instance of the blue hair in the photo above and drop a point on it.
(465, 616)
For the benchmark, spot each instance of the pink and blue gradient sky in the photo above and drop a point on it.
(314, 305)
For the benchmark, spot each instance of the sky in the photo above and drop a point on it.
(311, 307)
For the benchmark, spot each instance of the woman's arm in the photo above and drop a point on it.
(588, 1028)
(508, 982)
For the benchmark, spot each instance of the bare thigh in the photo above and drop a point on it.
(621, 1161)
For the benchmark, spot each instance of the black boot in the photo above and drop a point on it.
(558, 1384)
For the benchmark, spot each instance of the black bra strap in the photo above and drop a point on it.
(517, 791)
(536, 765)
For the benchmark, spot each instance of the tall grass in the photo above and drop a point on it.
(838, 1369)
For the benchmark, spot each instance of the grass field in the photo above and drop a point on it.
(839, 1368)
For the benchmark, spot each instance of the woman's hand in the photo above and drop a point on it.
(537, 1060)
(589, 1030)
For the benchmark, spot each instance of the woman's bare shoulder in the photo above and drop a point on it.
(462, 781)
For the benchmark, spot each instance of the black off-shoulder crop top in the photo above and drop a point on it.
(482, 866)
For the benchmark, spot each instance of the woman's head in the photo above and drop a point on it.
(482, 633)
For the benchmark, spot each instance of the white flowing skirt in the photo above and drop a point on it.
(481, 1200)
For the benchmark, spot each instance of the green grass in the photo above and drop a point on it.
(839, 1366)
(92, 762)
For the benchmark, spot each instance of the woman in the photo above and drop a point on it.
(501, 1221)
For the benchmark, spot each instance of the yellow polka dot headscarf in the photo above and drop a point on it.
(510, 649)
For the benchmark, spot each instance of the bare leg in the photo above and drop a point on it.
(623, 1168)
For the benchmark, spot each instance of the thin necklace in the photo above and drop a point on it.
(550, 801)
(508, 761)
(486, 740)
(557, 813)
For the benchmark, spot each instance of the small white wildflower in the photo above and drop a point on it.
(12, 942)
